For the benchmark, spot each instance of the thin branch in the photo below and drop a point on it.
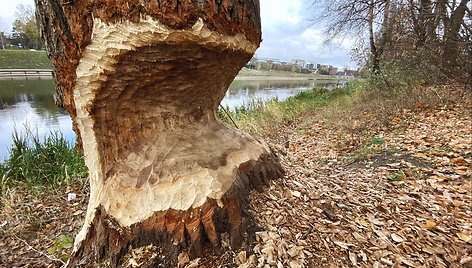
(229, 116)
(39, 252)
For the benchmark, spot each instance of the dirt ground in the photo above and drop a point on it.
(400, 198)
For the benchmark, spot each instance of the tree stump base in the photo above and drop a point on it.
(196, 231)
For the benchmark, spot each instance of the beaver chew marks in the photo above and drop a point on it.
(143, 96)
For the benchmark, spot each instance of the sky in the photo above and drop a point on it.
(286, 31)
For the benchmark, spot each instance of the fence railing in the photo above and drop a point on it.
(25, 73)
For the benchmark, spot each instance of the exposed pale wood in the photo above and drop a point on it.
(142, 83)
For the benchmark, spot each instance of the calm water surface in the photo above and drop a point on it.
(29, 104)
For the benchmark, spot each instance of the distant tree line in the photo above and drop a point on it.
(25, 32)
(432, 38)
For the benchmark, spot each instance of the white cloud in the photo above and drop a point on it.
(287, 35)
(280, 12)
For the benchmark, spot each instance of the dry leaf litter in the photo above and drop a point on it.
(408, 203)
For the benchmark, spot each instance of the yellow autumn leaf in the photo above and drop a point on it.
(362, 222)
(430, 224)
(464, 237)
(421, 155)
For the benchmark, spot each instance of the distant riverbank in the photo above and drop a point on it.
(275, 77)
(24, 59)
(33, 60)
(250, 74)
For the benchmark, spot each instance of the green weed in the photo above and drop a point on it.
(398, 176)
(373, 146)
(62, 244)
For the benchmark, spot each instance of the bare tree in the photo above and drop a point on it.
(404, 29)
(356, 18)
(452, 27)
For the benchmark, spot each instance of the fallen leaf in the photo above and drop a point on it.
(466, 259)
(459, 161)
(353, 258)
(78, 212)
(464, 237)
(428, 250)
(408, 263)
(296, 194)
(386, 261)
(397, 238)
(193, 264)
(183, 259)
(430, 224)
(362, 222)
(343, 245)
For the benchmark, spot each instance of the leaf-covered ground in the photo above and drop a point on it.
(400, 196)
(401, 199)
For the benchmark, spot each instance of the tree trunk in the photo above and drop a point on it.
(385, 30)
(374, 57)
(451, 36)
(142, 81)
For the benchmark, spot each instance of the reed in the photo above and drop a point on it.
(48, 162)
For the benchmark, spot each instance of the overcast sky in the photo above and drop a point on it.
(287, 33)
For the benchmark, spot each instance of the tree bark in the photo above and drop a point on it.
(374, 56)
(142, 81)
(451, 35)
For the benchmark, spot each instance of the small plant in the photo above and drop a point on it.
(377, 141)
(416, 174)
(368, 149)
(62, 244)
(398, 176)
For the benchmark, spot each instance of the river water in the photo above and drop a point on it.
(29, 105)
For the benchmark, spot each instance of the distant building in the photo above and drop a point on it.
(299, 63)
(351, 72)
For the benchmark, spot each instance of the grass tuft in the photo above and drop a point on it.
(261, 118)
(52, 161)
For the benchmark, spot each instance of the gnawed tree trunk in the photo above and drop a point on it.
(142, 81)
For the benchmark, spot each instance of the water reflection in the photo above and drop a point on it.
(242, 91)
(29, 104)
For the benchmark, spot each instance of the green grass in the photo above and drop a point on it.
(35, 163)
(262, 118)
(398, 176)
(24, 59)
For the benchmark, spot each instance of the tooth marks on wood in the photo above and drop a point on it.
(174, 231)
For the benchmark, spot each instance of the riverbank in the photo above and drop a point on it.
(373, 179)
(38, 60)
(251, 74)
(24, 59)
